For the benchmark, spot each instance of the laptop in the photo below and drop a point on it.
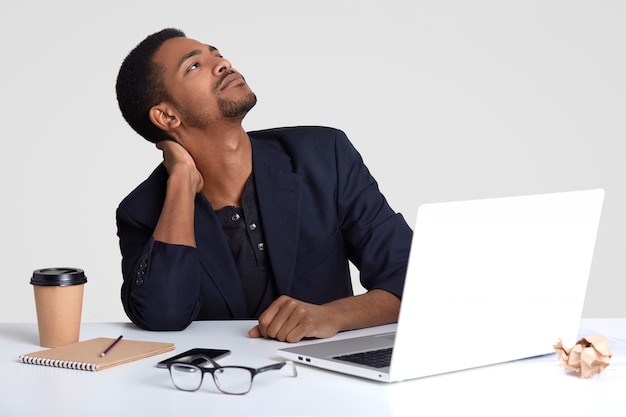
(488, 281)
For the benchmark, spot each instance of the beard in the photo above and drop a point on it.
(236, 109)
(228, 109)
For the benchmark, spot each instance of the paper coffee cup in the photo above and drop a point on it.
(59, 304)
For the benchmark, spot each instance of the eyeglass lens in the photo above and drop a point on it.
(185, 376)
(233, 380)
(230, 380)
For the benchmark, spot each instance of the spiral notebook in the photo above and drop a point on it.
(85, 355)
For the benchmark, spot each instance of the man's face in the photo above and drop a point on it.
(202, 85)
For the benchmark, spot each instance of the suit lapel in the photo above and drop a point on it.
(216, 257)
(278, 191)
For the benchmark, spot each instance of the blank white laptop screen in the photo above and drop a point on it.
(488, 281)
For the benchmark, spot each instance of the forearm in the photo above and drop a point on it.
(161, 292)
(373, 308)
(161, 281)
(176, 223)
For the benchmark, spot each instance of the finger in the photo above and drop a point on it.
(265, 319)
(295, 322)
(255, 332)
(308, 320)
(295, 329)
(161, 144)
(281, 312)
(167, 144)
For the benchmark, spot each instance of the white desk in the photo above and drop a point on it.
(534, 387)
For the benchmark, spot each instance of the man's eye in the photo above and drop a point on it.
(192, 67)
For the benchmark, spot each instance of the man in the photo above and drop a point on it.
(238, 224)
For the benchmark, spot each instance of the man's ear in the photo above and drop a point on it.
(163, 118)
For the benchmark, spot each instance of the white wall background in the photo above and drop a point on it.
(445, 100)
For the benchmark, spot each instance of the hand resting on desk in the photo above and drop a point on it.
(291, 320)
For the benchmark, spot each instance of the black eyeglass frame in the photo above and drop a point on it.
(187, 360)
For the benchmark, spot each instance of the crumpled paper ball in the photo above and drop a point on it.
(589, 356)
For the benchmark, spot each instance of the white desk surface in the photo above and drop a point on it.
(534, 387)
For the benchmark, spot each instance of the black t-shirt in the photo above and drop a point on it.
(245, 238)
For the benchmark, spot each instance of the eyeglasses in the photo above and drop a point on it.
(187, 376)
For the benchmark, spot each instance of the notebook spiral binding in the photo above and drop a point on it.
(58, 363)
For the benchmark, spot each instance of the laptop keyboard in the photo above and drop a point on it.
(374, 358)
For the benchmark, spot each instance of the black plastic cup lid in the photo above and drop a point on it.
(58, 277)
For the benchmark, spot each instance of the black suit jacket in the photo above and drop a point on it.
(319, 208)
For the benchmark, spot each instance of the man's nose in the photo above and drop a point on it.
(222, 65)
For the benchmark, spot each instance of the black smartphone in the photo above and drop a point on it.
(211, 353)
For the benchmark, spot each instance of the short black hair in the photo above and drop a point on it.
(140, 84)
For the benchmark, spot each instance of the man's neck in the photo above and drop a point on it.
(224, 160)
